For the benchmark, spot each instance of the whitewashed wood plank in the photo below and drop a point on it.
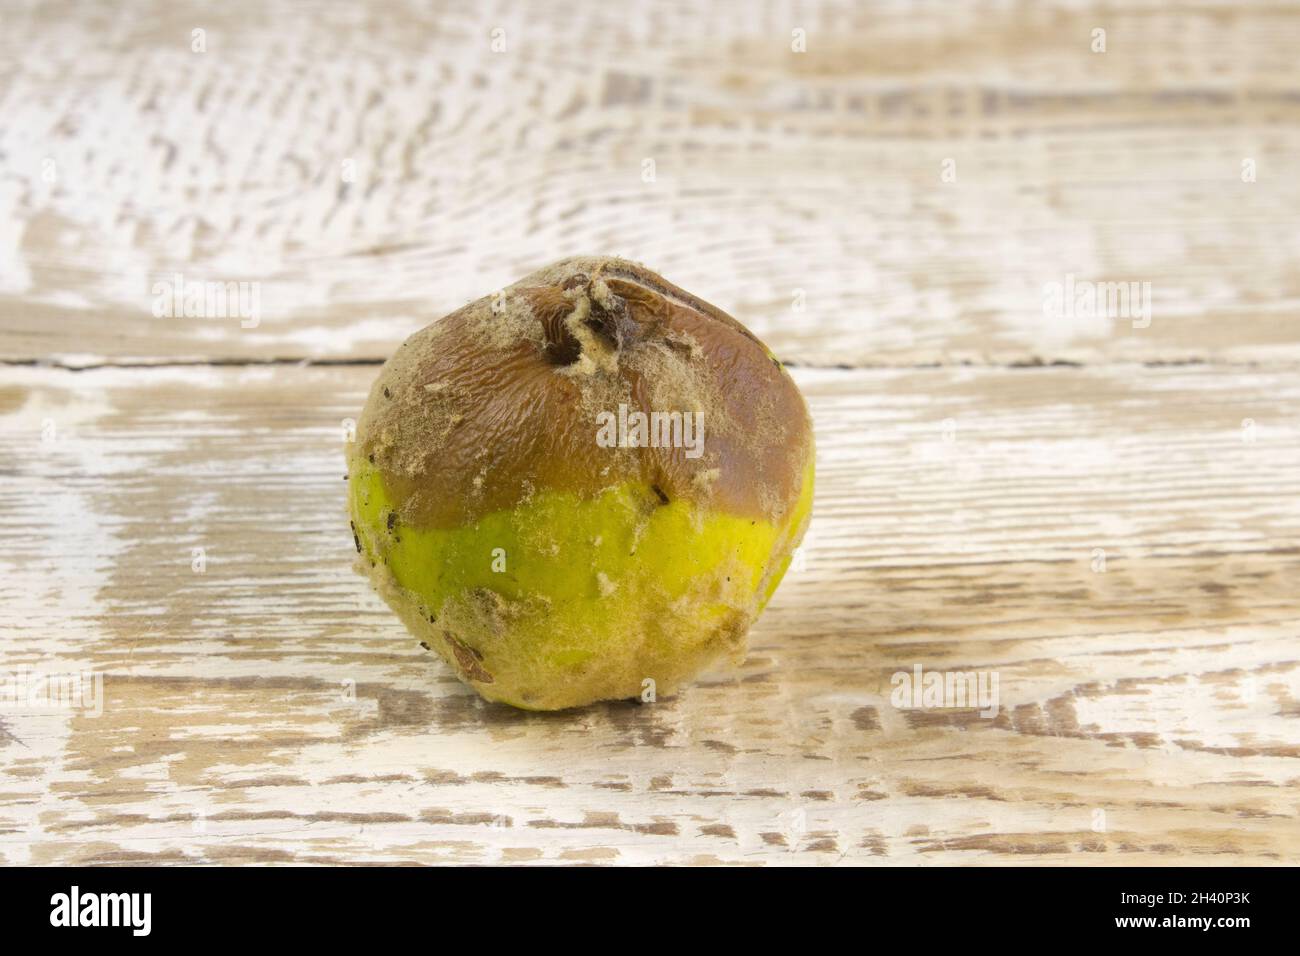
(370, 169)
(271, 709)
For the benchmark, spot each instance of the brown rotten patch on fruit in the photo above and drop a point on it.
(499, 400)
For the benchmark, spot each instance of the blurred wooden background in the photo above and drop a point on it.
(1103, 510)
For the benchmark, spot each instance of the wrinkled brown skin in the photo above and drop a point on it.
(499, 399)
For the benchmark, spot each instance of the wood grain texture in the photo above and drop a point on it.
(1102, 513)
(374, 167)
(270, 709)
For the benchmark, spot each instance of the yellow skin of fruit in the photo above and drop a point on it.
(562, 601)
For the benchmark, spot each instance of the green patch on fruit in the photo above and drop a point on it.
(565, 599)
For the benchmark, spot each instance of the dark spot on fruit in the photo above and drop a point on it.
(387, 393)
(613, 324)
(469, 659)
(663, 498)
(392, 521)
(355, 540)
(561, 347)
(425, 645)
(371, 457)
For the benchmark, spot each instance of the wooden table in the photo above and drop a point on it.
(1100, 508)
